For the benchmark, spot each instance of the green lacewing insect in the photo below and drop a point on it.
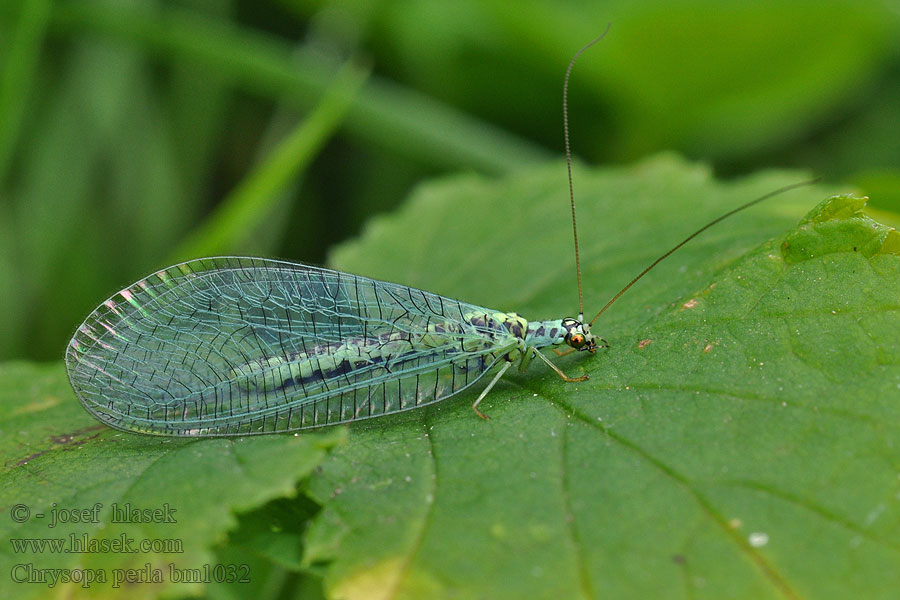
(237, 345)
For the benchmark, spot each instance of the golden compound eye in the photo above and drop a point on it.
(576, 340)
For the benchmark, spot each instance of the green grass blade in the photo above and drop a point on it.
(17, 73)
(256, 197)
(384, 114)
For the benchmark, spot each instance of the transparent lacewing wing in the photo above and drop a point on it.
(235, 346)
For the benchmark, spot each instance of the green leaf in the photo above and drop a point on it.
(839, 225)
(738, 439)
(58, 460)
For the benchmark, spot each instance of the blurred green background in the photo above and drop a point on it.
(135, 133)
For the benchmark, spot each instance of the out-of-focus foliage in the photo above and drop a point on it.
(124, 124)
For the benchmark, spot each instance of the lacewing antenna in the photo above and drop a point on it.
(572, 200)
(695, 234)
(569, 164)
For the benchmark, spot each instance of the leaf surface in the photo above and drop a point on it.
(738, 439)
(60, 463)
